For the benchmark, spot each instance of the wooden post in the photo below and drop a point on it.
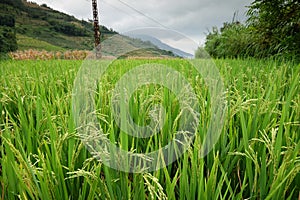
(97, 32)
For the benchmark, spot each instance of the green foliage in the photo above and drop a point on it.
(14, 3)
(256, 157)
(233, 40)
(41, 23)
(25, 42)
(272, 29)
(7, 20)
(212, 42)
(40, 27)
(8, 41)
(276, 25)
(68, 28)
(201, 53)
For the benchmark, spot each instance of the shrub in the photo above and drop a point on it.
(233, 40)
(8, 41)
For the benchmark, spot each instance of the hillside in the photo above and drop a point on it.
(53, 28)
(41, 27)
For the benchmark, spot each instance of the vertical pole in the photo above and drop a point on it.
(96, 29)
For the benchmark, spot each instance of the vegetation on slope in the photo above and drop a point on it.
(8, 41)
(47, 25)
(40, 27)
(272, 29)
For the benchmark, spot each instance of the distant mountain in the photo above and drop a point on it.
(164, 46)
(41, 27)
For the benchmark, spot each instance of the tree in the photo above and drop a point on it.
(201, 53)
(233, 40)
(276, 25)
(272, 28)
(212, 42)
(8, 41)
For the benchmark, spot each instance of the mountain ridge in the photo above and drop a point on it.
(157, 42)
(43, 28)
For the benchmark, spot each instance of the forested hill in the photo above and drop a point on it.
(41, 27)
(27, 25)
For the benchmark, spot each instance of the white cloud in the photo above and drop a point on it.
(191, 17)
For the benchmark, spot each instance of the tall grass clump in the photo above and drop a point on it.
(256, 157)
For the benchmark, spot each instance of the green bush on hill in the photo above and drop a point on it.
(8, 41)
(6, 20)
(68, 28)
(14, 3)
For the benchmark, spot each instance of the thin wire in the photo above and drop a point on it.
(126, 13)
(111, 5)
(136, 10)
(141, 13)
(119, 9)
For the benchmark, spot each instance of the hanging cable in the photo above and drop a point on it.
(126, 13)
(141, 13)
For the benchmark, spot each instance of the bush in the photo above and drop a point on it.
(233, 40)
(68, 28)
(201, 53)
(272, 30)
(14, 3)
(8, 41)
(7, 20)
(277, 25)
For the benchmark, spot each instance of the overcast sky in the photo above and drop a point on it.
(192, 18)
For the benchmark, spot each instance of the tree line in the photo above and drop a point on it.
(272, 28)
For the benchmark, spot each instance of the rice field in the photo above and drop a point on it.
(257, 155)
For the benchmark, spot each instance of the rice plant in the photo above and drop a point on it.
(256, 157)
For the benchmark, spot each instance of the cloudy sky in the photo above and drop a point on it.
(193, 18)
